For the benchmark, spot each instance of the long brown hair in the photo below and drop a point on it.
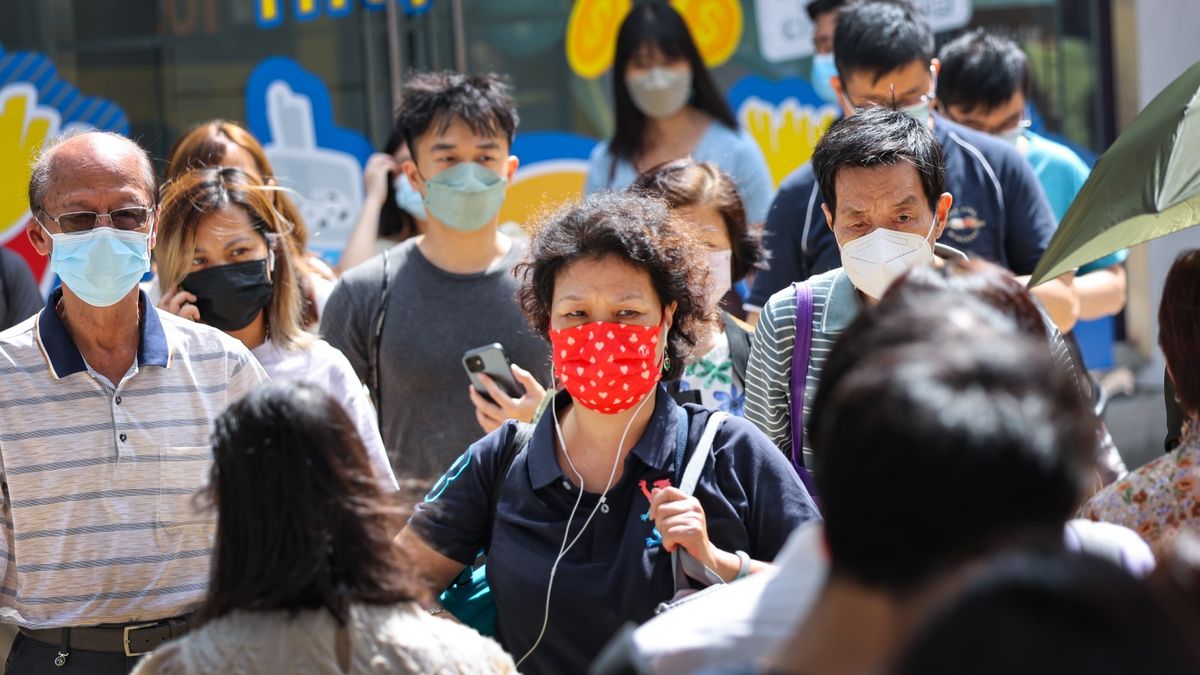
(187, 199)
(302, 519)
(206, 145)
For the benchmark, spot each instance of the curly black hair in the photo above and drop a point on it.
(638, 229)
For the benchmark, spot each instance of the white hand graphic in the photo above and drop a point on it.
(327, 184)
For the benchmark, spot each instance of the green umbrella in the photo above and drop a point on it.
(1147, 185)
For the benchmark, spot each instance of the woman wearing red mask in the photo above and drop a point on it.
(580, 521)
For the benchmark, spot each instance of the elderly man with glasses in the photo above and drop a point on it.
(105, 416)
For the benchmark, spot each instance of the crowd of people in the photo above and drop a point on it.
(706, 426)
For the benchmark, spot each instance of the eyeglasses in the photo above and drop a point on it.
(128, 218)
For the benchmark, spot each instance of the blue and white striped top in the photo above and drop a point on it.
(99, 520)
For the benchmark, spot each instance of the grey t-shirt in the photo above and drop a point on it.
(433, 316)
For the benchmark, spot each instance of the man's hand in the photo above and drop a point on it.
(491, 415)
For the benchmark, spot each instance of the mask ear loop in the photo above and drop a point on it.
(565, 547)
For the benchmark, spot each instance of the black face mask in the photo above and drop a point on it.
(229, 297)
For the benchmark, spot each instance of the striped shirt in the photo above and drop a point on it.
(100, 524)
(836, 303)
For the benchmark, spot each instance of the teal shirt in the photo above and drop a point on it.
(1062, 173)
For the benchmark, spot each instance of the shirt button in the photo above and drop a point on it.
(123, 437)
(566, 484)
(118, 400)
(604, 508)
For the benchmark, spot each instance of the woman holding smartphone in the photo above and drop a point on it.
(223, 260)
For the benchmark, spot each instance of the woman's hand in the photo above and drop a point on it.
(181, 304)
(681, 522)
(491, 415)
(375, 176)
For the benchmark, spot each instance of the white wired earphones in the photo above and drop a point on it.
(565, 547)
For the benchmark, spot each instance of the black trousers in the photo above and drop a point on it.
(30, 657)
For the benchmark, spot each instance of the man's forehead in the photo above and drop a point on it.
(456, 132)
(914, 75)
(889, 185)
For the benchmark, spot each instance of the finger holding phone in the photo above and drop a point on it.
(500, 390)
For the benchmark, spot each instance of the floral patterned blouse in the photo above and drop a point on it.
(713, 375)
(1160, 498)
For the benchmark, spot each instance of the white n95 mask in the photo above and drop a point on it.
(874, 261)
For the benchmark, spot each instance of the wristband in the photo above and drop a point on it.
(744, 569)
(435, 610)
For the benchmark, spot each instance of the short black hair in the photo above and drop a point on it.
(956, 438)
(1047, 613)
(638, 229)
(818, 7)
(981, 70)
(435, 100)
(879, 37)
(879, 137)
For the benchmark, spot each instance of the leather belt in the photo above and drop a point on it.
(133, 639)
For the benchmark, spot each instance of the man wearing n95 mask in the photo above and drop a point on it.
(882, 177)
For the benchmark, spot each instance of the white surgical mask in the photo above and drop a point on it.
(874, 261)
(720, 275)
(660, 92)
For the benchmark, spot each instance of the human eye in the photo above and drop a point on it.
(629, 313)
(199, 261)
(903, 218)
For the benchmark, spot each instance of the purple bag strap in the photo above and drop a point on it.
(799, 381)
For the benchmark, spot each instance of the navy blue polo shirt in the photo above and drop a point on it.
(618, 571)
(1000, 213)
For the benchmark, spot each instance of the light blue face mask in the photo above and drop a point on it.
(464, 197)
(824, 68)
(101, 265)
(408, 199)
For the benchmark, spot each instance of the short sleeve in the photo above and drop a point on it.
(599, 164)
(782, 231)
(453, 518)
(353, 396)
(245, 374)
(1030, 223)
(749, 169)
(778, 502)
(344, 321)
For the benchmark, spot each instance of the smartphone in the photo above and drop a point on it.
(491, 360)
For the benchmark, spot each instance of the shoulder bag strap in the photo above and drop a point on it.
(516, 443)
(739, 347)
(683, 564)
(374, 383)
(801, 353)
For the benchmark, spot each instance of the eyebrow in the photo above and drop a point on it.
(907, 201)
(240, 239)
(442, 146)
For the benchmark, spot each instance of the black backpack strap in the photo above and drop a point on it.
(517, 442)
(739, 346)
(374, 345)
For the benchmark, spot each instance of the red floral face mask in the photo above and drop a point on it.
(607, 367)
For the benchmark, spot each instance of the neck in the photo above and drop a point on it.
(851, 630)
(463, 252)
(661, 129)
(709, 340)
(255, 333)
(597, 434)
(106, 337)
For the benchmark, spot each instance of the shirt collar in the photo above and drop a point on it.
(63, 357)
(656, 447)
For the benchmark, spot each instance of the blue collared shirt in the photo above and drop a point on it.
(618, 571)
(99, 520)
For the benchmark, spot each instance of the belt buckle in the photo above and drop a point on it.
(125, 636)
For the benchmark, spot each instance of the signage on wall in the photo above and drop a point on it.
(270, 13)
(35, 107)
(785, 117)
(289, 110)
(591, 39)
(552, 173)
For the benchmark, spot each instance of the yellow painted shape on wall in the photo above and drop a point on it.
(541, 188)
(716, 27)
(592, 35)
(591, 40)
(24, 127)
(268, 10)
(305, 8)
(787, 133)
